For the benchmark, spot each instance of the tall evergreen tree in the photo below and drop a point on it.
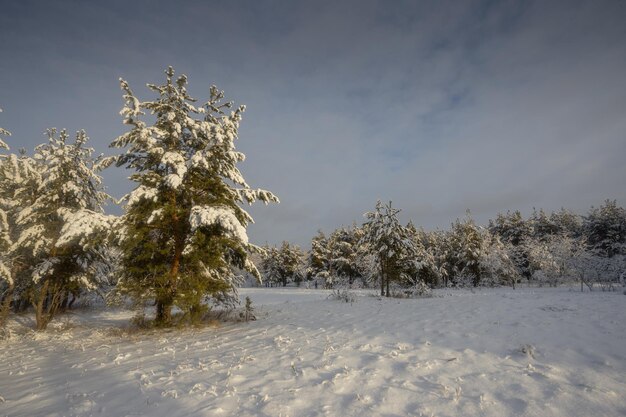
(542, 225)
(567, 223)
(58, 217)
(344, 262)
(337, 256)
(605, 228)
(468, 247)
(423, 266)
(440, 244)
(19, 179)
(282, 265)
(319, 258)
(184, 229)
(496, 265)
(7, 283)
(388, 241)
(512, 229)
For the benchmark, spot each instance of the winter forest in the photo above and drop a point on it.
(182, 241)
(179, 255)
(320, 209)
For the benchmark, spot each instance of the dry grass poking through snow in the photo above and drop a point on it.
(533, 352)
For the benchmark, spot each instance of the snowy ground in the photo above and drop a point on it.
(528, 352)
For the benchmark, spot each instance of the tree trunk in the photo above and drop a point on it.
(39, 306)
(47, 304)
(582, 281)
(164, 312)
(382, 279)
(166, 302)
(6, 305)
(387, 281)
(63, 306)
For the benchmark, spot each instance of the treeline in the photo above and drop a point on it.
(181, 241)
(545, 249)
(181, 244)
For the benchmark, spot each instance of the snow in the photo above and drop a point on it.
(224, 217)
(140, 193)
(83, 227)
(5, 274)
(496, 352)
(176, 161)
(173, 181)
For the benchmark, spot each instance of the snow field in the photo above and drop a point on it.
(494, 352)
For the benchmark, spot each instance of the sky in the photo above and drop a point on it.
(438, 106)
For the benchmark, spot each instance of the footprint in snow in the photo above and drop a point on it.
(121, 357)
(172, 393)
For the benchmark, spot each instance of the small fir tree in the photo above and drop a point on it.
(468, 246)
(319, 259)
(248, 313)
(388, 242)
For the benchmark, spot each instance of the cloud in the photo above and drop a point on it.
(438, 106)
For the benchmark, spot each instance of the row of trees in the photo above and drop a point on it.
(182, 238)
(546, 249)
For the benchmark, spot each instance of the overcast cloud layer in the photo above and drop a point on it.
(440, 106)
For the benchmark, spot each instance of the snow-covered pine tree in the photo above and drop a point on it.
(343, 244)
(270, 266)
(19, 179)
(423, 266)
(440, 244)
(283, 265)
(512, 229)
(388, 241)
(468, 246)
(318, 261)
(496, 265)
(605, 229)
(542, 225)
(7, 284)
(567, 223)
(183, 229)
(544, 264)
(61, 224)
